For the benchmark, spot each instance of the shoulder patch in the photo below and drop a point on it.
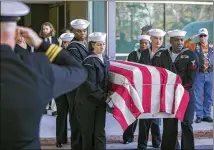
(184, 56)
(211, 45)
(88, 65)
(193, 62)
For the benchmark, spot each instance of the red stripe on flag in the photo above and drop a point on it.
(124, 93)
(127, 73)
(178, 81)
(182, 107)
(147, 85)
(163, 82)
(118, 115)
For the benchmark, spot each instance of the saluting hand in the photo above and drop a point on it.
(30, 36)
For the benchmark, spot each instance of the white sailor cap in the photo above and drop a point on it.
(157, 32)
(97, 36)
(80, 24)
(12, 10)
(67, 37)
(203, 31)
(144, 37)
(177, 32)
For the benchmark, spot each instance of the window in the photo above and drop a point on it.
(132, 16)
(179, 15)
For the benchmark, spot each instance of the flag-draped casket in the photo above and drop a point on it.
(143, 89)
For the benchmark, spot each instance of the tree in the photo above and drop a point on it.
(177, 16)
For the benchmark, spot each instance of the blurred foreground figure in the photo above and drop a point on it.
(29, 82)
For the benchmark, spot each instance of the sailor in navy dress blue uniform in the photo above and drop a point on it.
(145, 56)
(62, 104)
(91, 106)
(78, 49)
(183, 62)
(29, 82)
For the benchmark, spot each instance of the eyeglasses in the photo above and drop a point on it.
(202, 35)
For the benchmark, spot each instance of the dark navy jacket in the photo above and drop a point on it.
(78, 50)
(94, 90)
(28, 83)
(185, 65)
(54, 40)
(19, 49)
(142, 57)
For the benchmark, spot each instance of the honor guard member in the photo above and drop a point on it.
(78, 46)
(138, 56)
(183, 62)
(62, 103)
(203, 83)
(79, 50)
(28, 82)
(66, 39)
(146, 57)
(61, 32)
(91, 106)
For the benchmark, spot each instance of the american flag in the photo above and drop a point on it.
(141, 89)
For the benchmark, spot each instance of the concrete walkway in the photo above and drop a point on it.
(48, 130)
(205, 144)
(48, 126)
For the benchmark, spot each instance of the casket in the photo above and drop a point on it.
(144, 91)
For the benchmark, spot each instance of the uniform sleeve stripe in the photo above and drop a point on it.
(53, 51)
(50, 49)
(56, 52)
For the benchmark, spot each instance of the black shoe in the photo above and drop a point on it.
(141, 148)
(207, 119)
(58, 144)
(198, 120)
(54, 113)
(128, 141)
(155, 146)
(65, 143)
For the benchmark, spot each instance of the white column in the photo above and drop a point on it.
(111, 29)
(90, 16)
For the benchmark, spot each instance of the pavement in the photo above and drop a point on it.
(203, 133)
(205, 144)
